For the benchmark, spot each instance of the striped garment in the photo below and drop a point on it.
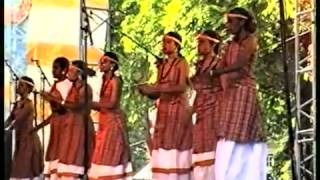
(27, 160)
(241, 119)
(55, 122)
(71, 161)
(173, 126)
(207, 107)
(111, 158)
(172, 137)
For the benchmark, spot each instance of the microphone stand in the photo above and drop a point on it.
(8, 133)
(158, 58)
(287, 91)
(13, 81)
(86, 27)
(43, 80)
(35, 120)
(126, 35)
(43, 75)
(35, 107)
(87, 33)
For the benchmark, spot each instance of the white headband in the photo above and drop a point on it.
(77, 68)
(27, 82)
(208, 38)
(236, 15)
(173, 38)
(110, 58)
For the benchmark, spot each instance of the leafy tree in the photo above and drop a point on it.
(139, 24)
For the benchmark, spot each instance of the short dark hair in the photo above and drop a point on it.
(62, 61)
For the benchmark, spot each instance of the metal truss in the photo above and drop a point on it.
(305, 91)
(91, 20)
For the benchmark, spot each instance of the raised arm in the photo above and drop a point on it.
(72, 105)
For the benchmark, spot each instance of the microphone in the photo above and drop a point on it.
(10, 127)
(90, 14)
(35, 92)
(159, 58)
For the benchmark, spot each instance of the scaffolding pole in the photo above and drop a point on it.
(98, 18)
(305, 142)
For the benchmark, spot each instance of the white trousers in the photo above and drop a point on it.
(203, 173)
(236, 161)
(171, 160)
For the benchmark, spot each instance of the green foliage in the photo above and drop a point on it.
(145, 21)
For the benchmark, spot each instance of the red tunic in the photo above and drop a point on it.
(27, 160)
(173, 128)
(207, 107)
(111, 143)
(241, 120)
(55, 121)
(72, 139)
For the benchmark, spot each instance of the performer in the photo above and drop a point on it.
(206, 106)
(59, 91)
(72, 148)
(241, 149)
(111, 158)
(172, 138)
(27, 160)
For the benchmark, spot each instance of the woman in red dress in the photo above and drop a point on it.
(59, 90)
(241, 149)
(77, 131)
(172, 138)
(206, 106)
(111, 158)
(27, 161)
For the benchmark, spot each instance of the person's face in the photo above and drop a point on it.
(57, 71)
(168, 45)
(105, 64)
(204, 46)
(234, 25)
(73, 73)
(22, 88)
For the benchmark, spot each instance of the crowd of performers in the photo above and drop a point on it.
(216, 135)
